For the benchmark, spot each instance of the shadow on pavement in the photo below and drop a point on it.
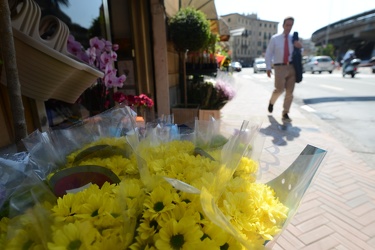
(281, 133)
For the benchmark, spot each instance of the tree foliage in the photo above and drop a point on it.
(328, 50)
(189, 29)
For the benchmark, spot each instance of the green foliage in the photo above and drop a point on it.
(189, 30)
(211, 43)
(328, 50)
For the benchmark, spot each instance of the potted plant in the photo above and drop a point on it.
(212, 94)
(189, 30)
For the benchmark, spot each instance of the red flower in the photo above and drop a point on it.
(132, 100)
(119, 97)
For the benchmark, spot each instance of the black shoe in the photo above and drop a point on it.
(286, 118)
(270, 108)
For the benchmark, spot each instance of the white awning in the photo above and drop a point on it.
(237, 32)
(206, 6)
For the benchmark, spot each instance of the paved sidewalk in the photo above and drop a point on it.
(338, 210)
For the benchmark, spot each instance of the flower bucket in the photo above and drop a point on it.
(208, 114)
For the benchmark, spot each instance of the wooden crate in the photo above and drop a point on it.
(206, 114)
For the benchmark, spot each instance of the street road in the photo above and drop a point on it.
(345, 106)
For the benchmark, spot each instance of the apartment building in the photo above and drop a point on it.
(249, 36)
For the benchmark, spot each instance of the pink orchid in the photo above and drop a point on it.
(115, 47)
(97, 43)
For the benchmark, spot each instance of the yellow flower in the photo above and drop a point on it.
(247, 169)
(147, 229)
(179, 212)
(4, 222)
(24, 238)
(67, 207)
(75, 235)
(130, 197)
(140, 244)
(132, 215)
(183, 234)
(159, 201)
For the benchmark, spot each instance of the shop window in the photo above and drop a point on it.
(85, 19)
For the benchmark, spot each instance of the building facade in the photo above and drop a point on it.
(249, 36)
(146, 55)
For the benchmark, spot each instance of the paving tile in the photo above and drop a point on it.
(307, 205)
(369, 230)
(349, 188)
(312, 223)
(334, 200)
(371, 242)
(288, 241)
(341, 218)
(367, 219)
(307, 215)
(291, 228)
(328, 195)
(346, 229)
(316, 234)
(346, 243)
(353, 194)
(341, 247)
(358, 201)
(363, 209)
(349, 180)
(323, 244)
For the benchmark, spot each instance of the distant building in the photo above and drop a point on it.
(309, 48)
(249, 36)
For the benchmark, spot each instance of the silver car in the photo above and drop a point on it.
(236, 66)
(319, 64)
(259, 65)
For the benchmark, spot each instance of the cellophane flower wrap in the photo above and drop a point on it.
(104, 185)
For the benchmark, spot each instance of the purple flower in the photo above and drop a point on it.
(101, 55)
(97, 43)
(225, 89)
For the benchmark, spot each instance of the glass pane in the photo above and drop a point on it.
(85, 19)
(82, 17)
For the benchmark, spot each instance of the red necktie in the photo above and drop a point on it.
(286, 50)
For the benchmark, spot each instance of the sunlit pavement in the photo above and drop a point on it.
(338, 210)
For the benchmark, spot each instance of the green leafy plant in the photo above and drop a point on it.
(189, 29)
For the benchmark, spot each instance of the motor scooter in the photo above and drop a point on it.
(351, 68)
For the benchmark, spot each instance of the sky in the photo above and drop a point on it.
(83, 11)
(309, 16)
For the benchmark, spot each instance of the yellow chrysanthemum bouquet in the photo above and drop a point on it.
(103, 185)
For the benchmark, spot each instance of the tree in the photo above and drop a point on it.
(328, 50)
(189, 30)
(8, 54)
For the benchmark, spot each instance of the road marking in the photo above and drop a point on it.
(330, 87)
(308, 108)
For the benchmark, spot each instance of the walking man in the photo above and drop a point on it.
(279, 53)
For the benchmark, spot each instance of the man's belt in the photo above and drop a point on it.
(279, 64)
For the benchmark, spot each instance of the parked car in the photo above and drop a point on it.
(236, 66)
(259, 65)
(319, 64)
